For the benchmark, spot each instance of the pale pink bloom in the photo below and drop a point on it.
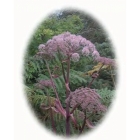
(84, 105)
(75, 57)
(95, 54)
(106, 61)
(49, 41)
(41, 47)
(91, 47)
(67, 34)
(83, 41)
(87, 99)
(87, 42)
(54, 38)
(67, 44)
(85, 51)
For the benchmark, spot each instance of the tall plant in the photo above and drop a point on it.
(68, 47)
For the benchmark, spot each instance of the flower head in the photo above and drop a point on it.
(75, 57)
(85, 51)
(106, 61)
(91, 47)
(96, 54)
(67, 44)
(41, 47)
(87, 98)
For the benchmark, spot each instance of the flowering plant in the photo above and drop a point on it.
(68, 47)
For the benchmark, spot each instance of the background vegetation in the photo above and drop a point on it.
(76, 23)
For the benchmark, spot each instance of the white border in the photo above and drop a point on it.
(28, 14)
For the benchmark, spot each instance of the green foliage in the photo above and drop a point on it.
(92, 30)
(34, 70)
(76, 79)
(105, 49)
(80, 66)
(101, 83)
(105, 76)
(106, 95)
(53, 26)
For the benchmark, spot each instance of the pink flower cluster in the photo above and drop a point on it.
(85, 51)
(87, 99)
(96, 54)
(68, 45)
(75, 57)
(106, 61)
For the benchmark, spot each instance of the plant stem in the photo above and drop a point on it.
(52, 120)
(68, 69)
(67, 120)
(51, 114)
(74, 108)
(67, 105)
(84, 123)
(63, 71)
(54, 89)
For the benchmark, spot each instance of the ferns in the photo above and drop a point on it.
(76, 79)
(59, 83)
(107, 96)
(32, 69)
(37, 100)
